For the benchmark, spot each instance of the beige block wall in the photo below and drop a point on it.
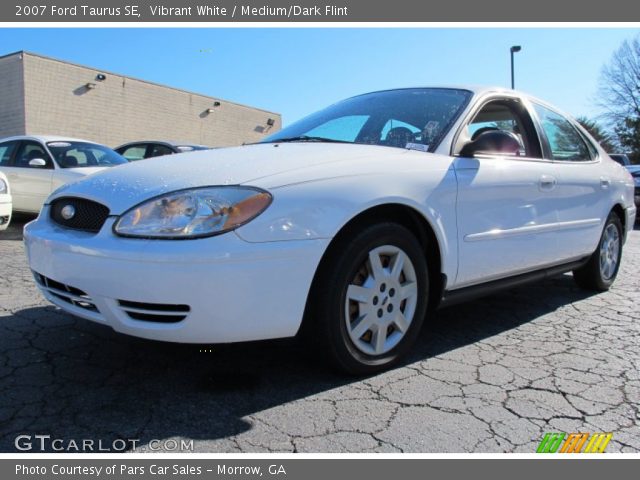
(12, 121)
(120, 109)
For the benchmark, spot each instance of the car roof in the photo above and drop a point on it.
(46, 139)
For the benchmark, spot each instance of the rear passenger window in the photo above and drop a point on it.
(565, 141)
(6, 150)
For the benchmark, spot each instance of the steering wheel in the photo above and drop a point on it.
(480, 131)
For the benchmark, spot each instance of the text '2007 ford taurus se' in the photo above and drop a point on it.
(351, 224)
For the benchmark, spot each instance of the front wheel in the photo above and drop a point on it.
(601, 270)
(370, 298)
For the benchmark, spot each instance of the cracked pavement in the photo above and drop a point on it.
(492, 375)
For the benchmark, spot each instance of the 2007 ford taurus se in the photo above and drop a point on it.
(353, 223)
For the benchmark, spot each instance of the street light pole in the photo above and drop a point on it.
(514, 49)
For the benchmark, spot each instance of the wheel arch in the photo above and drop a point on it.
(618, 209)
(406, 216)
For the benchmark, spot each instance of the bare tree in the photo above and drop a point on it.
(619, 96)
(619, 92)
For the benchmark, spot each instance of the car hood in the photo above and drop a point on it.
(125, 186)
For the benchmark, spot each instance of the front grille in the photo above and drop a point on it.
(71, 295)
(88, 216)
(154, 312)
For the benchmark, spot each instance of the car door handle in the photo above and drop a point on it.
(604, 183)
(547, 182)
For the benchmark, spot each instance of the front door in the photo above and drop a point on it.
(506, 204)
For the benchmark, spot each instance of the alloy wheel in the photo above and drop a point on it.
(609, 252)
(381, 300)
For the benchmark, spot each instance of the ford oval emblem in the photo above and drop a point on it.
(67, 212)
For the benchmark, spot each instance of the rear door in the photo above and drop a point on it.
(582, 183)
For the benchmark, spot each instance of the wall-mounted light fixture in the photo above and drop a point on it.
(90, 86)
(271, 122)
(212, 109)
(101, 77)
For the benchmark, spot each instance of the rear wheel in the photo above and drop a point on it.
(601, 270)
(370, 298)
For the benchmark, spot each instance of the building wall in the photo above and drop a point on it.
(121, 109)
(12, 121)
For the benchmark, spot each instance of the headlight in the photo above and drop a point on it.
(193, 213)
(3, 187)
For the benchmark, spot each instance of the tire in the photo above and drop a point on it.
(599, 273)
(366, 315)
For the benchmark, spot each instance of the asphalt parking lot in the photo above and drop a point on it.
(490, 376)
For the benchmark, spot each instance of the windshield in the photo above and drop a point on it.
(83, 154)
(407, 118)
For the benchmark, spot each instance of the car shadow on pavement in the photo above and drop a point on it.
(73, 379)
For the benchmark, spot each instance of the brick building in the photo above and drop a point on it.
(41, 95)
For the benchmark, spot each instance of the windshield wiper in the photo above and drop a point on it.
(307, 138)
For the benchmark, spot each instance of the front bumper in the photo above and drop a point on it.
(227, 289)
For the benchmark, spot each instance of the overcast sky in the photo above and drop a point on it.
(296, 71)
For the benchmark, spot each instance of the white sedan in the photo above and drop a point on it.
(5, 202)
(36, 165)
(351, 225)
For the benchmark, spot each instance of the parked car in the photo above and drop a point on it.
(634, 170)
(5, 202)
(353, 223)
(153, 148)
(37, 165)
(620, 158)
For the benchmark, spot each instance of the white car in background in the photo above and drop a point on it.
(353, 223)
(37, 165)
(5, 202)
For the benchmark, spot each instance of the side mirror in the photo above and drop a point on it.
(37, 163)
(492, 142)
